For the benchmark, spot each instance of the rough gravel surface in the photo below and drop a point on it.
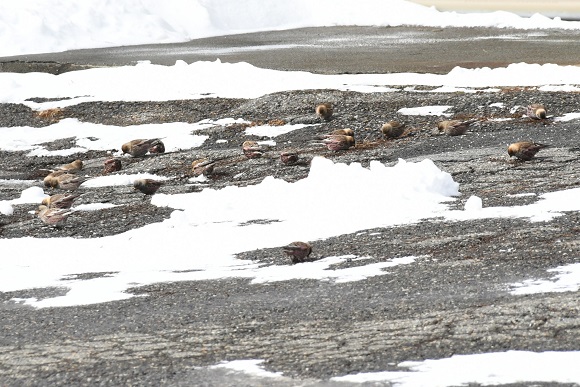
(454, 300)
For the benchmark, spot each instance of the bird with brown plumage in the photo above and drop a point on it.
(337, 142)
(298, 251)
(53, 216)
(74, 166)
(525, 150)
(112, 165)
(140, 147)
(289, 158)
(147, 186)
(252, 149)
(50, 179)
(343, 132)
(536, 111)
(454, 127)
(337, 132)
(158, 147)
(324, 111)
(61, 201)
(202, 167)
(66, 181)
(393, 129)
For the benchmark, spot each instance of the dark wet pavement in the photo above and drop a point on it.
(334, 50)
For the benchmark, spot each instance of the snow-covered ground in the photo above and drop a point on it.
(460, 370)
(483, 369)
(52, 25)
(37, 26)
(148, 82)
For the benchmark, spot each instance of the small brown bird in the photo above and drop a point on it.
(51, 114)
(525, 150)
(343, 132)
(75, 166)
(454, 127)
(289, 158)
(536, 111)
(70, 182)
(67, 181)
(158, 147)
(336, 142)
(50, 179)
(324, 111)
(298, 251)
(53, 216)
(147, 186)
(252, 149)
(337, 132)
(61, 201)
(139, 147)
(112, 165)
(202, 167)
(393, 129)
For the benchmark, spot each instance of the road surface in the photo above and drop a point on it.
(336, 50)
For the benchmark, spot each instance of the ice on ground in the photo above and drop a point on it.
(6, 208)
(29, 195)
(426, 111)
(240, 214)
(567, 279)
(560, 88)
(420, 189)
(549, 206)
(120, 179)
(93, 206)
(474, 203)
(87, 136)
(568, 117)
(273, 131)
(499, 119)
(319, 270)
(511, 367)
(148, 82)
(250, 366)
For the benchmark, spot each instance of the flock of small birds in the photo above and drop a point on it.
(55, 209)
(343, 139)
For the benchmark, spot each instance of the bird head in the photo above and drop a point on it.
(541, 113)
(511, 150)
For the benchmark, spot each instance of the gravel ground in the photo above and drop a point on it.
(454, 300)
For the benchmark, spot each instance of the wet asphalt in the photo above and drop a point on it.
(337, 50)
